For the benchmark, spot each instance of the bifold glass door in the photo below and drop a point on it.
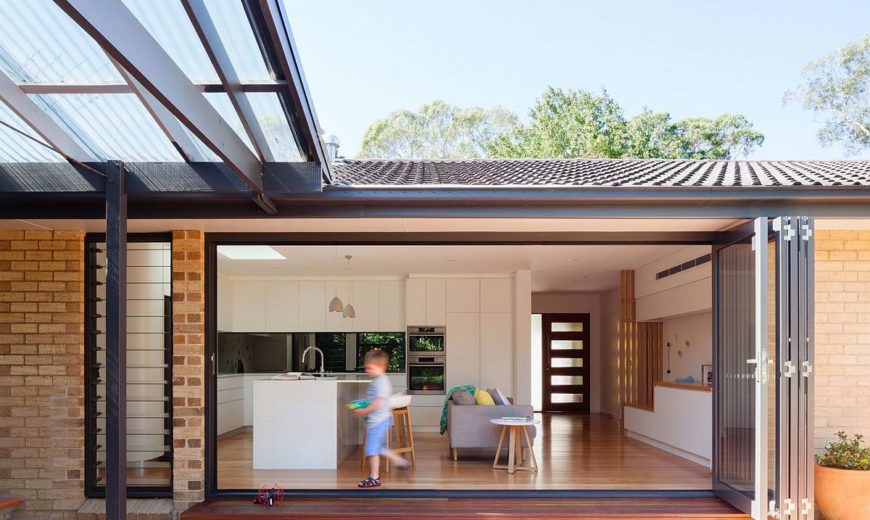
(763, 309)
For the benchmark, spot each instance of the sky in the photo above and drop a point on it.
(366, 58)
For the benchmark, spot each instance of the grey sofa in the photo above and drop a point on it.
(468, 426)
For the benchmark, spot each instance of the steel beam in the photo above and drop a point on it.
(273, 33)
(116, 342)
(170, 126)
(127, 41)
(47, 128)
(214, 47)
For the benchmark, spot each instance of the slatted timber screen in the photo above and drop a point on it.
(627, 336)
(640, 349)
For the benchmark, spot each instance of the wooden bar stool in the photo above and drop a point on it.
(404, 437)
(404, 434)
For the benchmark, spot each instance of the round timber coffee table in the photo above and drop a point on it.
(516, 430)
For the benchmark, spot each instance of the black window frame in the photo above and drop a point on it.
(91, 372)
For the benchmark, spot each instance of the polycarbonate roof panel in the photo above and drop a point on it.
(235, 32)
(15, 147)
(221, 102)
(272, 119)
(168, 23)
(39, 43)
(117, 124)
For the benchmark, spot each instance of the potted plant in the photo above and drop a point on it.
(842, 479)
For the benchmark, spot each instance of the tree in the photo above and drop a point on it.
(837, 86)
(436, 130)
(569, 123)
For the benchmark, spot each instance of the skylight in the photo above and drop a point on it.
(250, 253)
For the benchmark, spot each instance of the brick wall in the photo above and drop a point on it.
(188, 361)
(42, 370)
(842, 333)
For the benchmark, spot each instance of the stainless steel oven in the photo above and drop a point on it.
(426, 340)
(427, 360)
(426, 374)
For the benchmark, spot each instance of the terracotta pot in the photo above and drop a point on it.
(842, 494)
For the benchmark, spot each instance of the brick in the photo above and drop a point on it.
(12, 255)
(41, 370)
(11, 234)
(842, 332)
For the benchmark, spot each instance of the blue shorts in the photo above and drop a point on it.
(376, 438)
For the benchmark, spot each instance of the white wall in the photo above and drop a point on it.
(578, 302)
(537, 391)
(609, 364)
(523, 337)
(683, 293)
(691, 339)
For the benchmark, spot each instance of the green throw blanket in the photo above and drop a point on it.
(466, 388)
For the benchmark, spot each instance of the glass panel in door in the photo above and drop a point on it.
(741, 404)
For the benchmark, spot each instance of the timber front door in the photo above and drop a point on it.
(565, 362)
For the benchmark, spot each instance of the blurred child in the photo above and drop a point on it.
(378, 418)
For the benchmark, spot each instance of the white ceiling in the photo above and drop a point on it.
(554, 268)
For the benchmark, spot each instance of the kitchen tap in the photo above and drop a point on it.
(322, 357)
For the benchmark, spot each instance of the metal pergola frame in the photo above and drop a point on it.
(87, 185)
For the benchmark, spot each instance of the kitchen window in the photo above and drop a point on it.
(393, 343)
(333, 345)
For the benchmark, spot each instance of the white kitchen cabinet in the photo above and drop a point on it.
(312, 306)
(497, 351)
(463, 349)
(282, 306)
(391, 306)
(436, 302)
(335, 321)
(463, 295)
(496, 295)
(230, 403)
(415, 302)
(249, 306)
(366, 302)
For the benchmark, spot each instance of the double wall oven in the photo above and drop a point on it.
(427, 360)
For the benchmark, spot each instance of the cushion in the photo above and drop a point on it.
(462, 397)
(498, 396)
(483, 398)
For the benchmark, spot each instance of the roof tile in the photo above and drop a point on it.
(599, 172)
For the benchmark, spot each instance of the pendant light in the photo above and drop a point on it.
(335, 304)
(349, 311)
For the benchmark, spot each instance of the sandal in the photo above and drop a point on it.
(369, 483)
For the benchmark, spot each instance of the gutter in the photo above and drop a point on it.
(533, 195)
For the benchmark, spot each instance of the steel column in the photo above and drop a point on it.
(116, 342)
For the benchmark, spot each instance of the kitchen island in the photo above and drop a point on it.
(304, 423)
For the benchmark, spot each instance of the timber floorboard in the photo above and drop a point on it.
(574, 452)
(471, 508)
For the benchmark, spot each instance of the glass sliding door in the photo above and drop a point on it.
(762, 289)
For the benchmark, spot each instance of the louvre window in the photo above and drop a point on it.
(149, 366)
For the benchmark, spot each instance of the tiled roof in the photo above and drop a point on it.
(599, 172)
